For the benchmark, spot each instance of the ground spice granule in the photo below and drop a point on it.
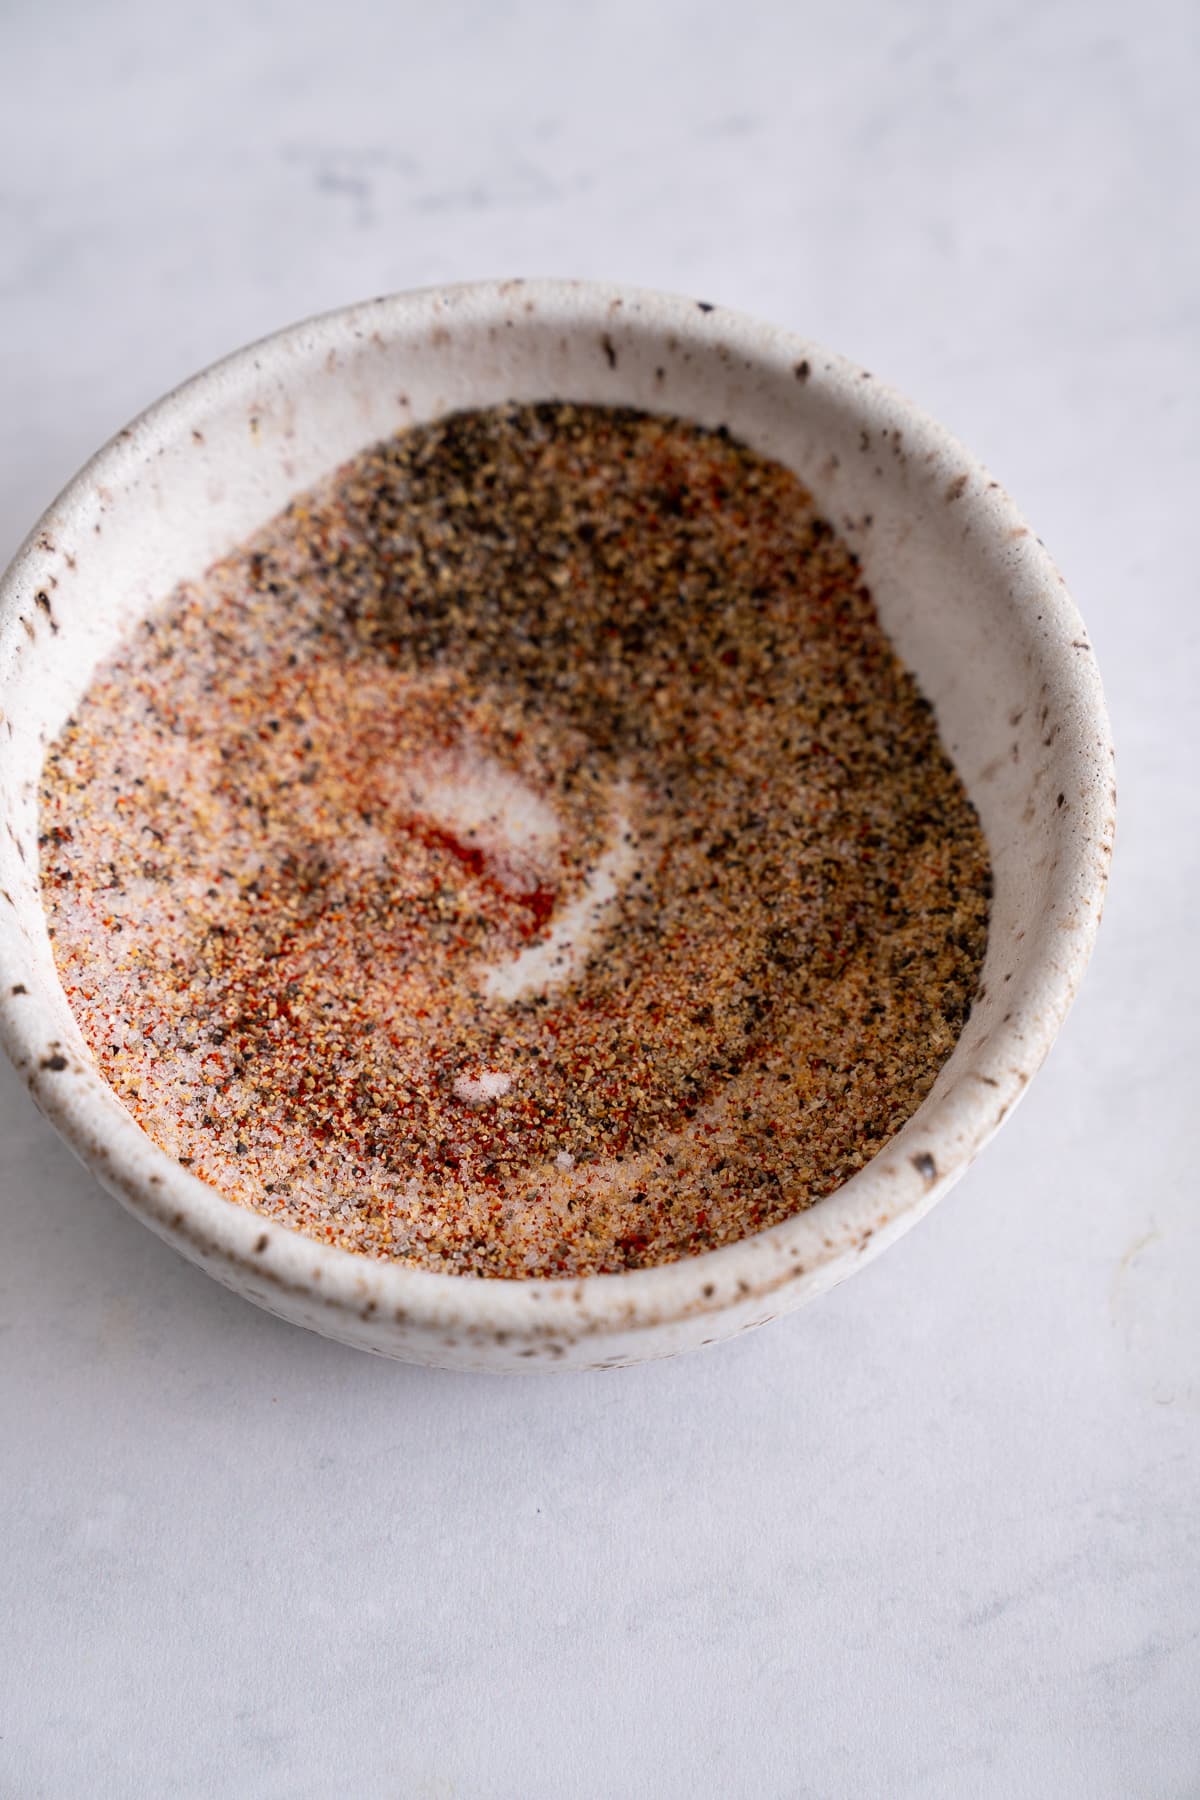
(525, 857)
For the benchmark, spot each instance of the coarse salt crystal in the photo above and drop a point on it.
(478, 1090)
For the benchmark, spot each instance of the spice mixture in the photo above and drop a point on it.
(526, 857)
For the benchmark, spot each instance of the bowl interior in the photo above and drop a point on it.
(968, 595)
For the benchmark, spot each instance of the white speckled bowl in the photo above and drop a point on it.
(969, 596)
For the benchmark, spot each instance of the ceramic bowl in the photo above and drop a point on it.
(971, 599)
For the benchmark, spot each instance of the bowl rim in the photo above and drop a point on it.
(810, 1250)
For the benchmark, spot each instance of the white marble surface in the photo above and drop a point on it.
(939, 1535)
